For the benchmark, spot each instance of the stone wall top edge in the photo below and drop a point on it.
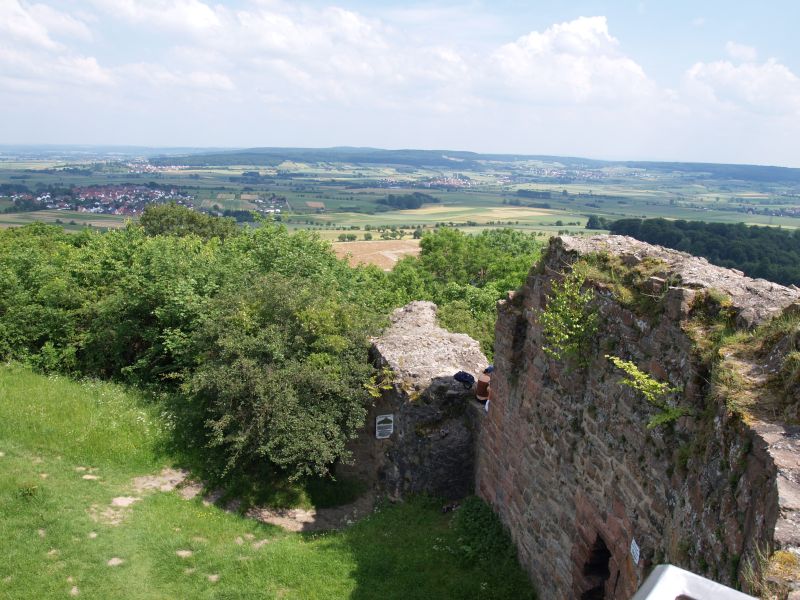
(761, 297)
(418, 350)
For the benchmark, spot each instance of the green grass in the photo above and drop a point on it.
(51, 426)
(91, 421)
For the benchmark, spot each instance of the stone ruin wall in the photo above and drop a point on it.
(565, 458)
(432, 448)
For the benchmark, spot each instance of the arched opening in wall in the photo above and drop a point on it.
(596, 571)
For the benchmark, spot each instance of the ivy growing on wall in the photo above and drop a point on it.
(654, 392)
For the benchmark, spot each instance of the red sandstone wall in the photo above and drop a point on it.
(564, 455)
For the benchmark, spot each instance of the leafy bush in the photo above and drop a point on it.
(281, 377)
(466, 276)
(257, 337)
(263, 335)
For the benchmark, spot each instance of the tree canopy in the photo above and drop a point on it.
(258, 336)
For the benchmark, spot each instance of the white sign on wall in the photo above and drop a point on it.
(635, 551)
(384, 426)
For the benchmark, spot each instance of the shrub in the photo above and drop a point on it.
(568, 322)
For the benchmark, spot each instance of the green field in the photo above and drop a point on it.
(68, 449)
(70, 220)
(350, 192)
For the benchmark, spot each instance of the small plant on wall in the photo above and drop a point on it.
(654, 392)
(568, 322)
(380, 382)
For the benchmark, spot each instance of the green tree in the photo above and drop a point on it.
(173, 219)
(281, 377)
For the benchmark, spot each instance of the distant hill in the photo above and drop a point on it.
(722, 171)
(465, 160)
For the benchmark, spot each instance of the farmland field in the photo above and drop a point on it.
(323, 190)
(381, 253)
(68, 219)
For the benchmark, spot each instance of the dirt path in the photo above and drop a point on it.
(297, 519)
(294, 519)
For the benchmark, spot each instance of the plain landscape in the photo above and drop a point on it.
(184, 339)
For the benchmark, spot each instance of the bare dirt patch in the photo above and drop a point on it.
(115, 562)
(124, 501)
(191, 490)
(109, 515)
(323, 519)
(184, 553)
(166, 481)
(382, 253)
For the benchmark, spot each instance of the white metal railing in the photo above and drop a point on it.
(668, 582)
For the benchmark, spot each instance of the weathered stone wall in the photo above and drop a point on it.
(566, 460)
(432, 448)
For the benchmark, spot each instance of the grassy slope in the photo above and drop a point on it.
(53, 425)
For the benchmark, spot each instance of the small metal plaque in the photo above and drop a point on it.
(635, 551)
(384, 426)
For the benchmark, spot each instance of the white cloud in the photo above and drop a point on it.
(578, 61)
(419, 75)
(18, 24)
(698, 22)
(767, 88)
(59, 23)
(158, 77)
(189, 16)
(741, 52)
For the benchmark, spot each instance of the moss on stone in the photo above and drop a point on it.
(639, 286)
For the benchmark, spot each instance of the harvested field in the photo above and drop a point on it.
(480, 214)
(382, 253)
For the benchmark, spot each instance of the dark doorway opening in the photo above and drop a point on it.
(596, 571)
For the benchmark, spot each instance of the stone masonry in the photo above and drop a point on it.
(567, 461)
(432, 448)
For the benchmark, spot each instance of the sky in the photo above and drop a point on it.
(640, 80)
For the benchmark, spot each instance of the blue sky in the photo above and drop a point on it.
(699, 81)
